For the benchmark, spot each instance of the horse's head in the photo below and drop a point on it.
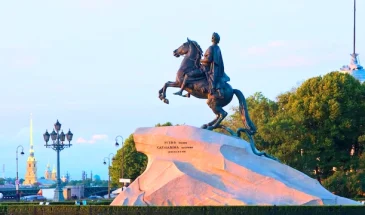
(192, 52)
(187, 47)
(183, 49)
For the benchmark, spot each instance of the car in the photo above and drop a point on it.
(95, 197)
(33, 198)
(112, 195)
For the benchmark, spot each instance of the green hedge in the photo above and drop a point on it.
(205, 210)
(57, 203)
(87, 202)
(18, 203)
(3, 210)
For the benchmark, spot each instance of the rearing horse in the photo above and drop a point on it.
(197, 85)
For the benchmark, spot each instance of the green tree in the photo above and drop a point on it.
(337, 183)
(313, 127)
(346, 184)
(134, 163)
(331, 112)
(261, 111)
(165, 124)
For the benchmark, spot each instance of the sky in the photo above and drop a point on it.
(97, 65)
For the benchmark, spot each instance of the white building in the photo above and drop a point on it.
(354, 68)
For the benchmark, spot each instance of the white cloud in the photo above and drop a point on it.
(94, 138)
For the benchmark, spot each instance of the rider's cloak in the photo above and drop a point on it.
(216, 71)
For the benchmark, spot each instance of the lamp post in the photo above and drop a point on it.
(108, 172)
(117, 145)
(58, 145)
(17, 176)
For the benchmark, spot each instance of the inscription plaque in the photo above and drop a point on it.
(175, 146)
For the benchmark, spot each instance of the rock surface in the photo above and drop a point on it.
(192, 166)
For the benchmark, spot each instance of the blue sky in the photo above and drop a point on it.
(97, 65)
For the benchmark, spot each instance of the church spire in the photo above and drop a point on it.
(31, 173)
(31, 137)
(354, 28)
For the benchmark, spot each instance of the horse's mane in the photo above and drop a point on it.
(198, 54)
(200, 51)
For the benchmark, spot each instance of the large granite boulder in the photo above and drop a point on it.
(192, 166)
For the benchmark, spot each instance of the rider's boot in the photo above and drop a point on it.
(182, 87)
(179, 92)
(186, 95)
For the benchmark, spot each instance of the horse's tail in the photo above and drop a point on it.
(247, 123)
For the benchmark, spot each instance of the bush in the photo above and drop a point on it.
(350, 184)
(3, 210)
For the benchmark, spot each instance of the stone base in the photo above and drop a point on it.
(189, 166)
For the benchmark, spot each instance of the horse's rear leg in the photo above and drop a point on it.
(219, 112)
(211, 123)
(222, 114)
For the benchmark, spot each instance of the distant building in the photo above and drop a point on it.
(45, 182)
(354, 68)
(47, 173)
(66, 178)
(96, 178)
(31, 173)
(54, 173)
(48, 179)
(50, 175)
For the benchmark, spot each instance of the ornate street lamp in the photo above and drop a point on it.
(117, 144)
(17, 176)
(116, 140)
(108, 171)
(58, 144)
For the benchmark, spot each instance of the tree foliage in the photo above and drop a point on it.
(314, 127)
(127, 158)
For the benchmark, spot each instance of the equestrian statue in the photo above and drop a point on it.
(206, 79)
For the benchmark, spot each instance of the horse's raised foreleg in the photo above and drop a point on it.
(162, 91)
(168, 84)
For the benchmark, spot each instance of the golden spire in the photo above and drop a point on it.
(31, 136)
